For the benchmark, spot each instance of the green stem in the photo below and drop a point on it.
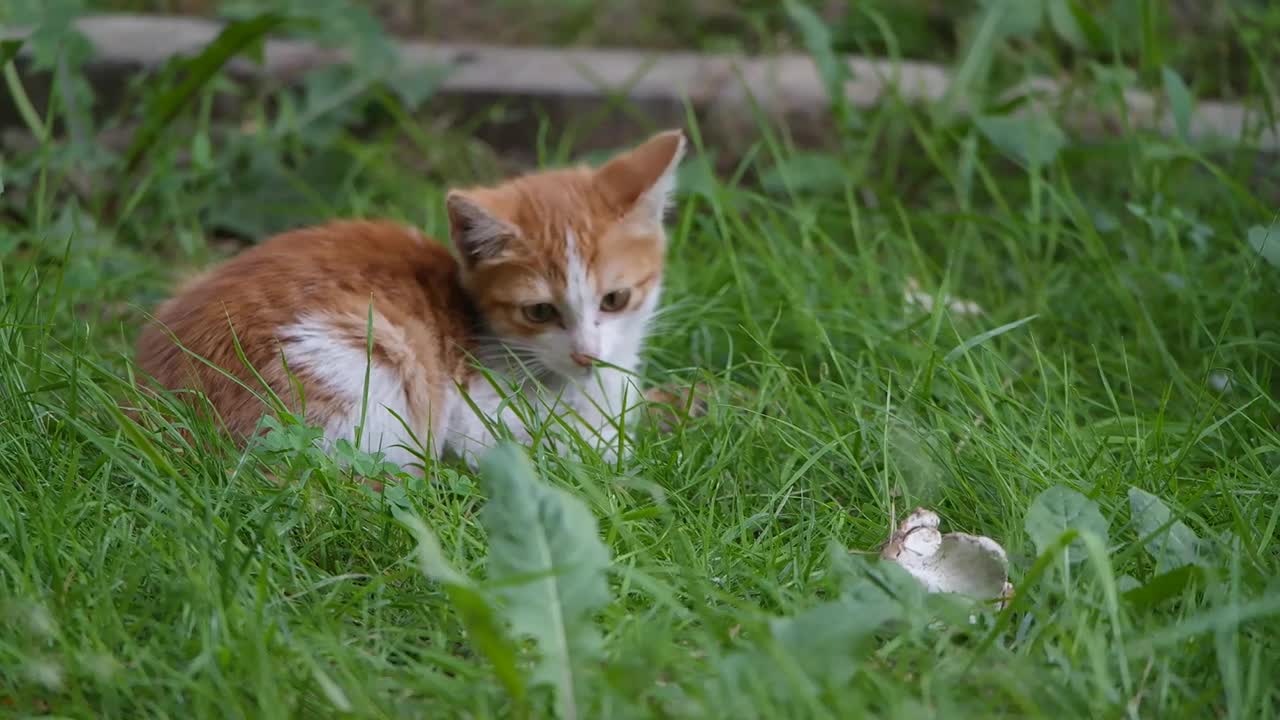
(25, 108)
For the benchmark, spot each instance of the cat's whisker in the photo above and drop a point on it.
(490, 355)
(503, 344)
(524, 366)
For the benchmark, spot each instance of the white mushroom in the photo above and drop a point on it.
(952, 563)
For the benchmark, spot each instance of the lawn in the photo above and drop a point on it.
(1105, 404)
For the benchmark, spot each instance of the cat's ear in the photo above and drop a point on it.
(644, 178)
(477, 233)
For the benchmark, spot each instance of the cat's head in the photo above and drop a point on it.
(565, 266)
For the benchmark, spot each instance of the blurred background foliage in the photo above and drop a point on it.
(1215, 43)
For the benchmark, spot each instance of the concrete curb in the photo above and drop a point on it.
(727, 93)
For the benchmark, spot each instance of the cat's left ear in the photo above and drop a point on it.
(476, 232)
(643, 179)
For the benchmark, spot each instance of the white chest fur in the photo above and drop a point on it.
(597, 412)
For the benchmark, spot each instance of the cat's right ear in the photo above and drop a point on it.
(643, 179)
(474, 231)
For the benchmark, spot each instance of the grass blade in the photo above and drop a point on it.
(980, 338)
(477, 614)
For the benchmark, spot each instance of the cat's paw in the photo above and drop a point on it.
(668, 406)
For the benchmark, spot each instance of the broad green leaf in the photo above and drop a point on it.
(1058, 510)
(867, 583)
(1266, 241)
(329, 101)
(1163, 586)
(863, 581)
(1181, 102)
(270, 196)
(54, 37)
(1171, 543)
(477, 614)
(1032, 140)
(829, 641)
(414, 85)
(742, 682)
(548, 564)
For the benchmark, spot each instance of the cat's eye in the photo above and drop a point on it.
(539, 313)
(615, 301)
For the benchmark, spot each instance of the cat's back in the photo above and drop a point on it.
(252, 301)
(310, 263)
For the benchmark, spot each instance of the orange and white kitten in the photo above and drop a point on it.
(549, 296)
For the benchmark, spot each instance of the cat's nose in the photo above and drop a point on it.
(581, 359)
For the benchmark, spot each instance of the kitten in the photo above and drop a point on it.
(548, 299)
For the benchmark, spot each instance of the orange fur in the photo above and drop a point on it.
(336, 268)
(519, 242)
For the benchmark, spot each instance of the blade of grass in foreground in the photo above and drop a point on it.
(980, 338)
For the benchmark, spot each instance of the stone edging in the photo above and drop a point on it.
(725, 91)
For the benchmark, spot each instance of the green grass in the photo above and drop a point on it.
(148, 572)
